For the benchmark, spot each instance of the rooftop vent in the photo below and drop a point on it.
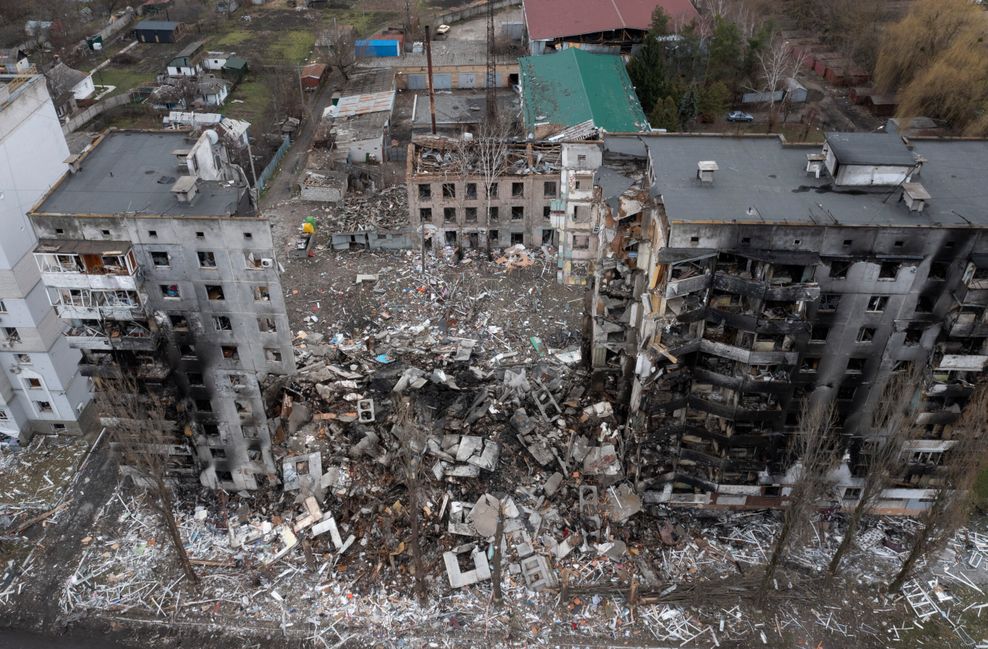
(75, 163)
(185, 189)
(182, 157)
(705, 170)
(915, 196)
(815, 164)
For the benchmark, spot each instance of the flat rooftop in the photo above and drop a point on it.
(133, 172)
(769, 177)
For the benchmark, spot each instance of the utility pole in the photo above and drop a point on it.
(432, 88)
(491, 65)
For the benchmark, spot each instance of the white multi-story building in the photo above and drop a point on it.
(41, 389)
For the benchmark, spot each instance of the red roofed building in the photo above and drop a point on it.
(612, 26)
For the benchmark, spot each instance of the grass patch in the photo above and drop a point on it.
(291, 46)
(364, 23)
(124, 80)
(249, 101)
(235, 37)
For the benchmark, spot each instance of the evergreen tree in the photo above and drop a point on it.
(688, 108)
(665, 115)
(714, 100)
(647, 70)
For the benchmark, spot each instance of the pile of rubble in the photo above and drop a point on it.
(382, 211)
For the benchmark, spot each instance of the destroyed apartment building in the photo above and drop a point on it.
(155, 257)
(482, 193)
(737, 279)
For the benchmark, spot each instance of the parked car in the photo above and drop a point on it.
(740, 116)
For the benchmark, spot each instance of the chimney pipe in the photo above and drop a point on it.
(432, 89)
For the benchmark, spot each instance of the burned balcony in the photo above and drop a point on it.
(110, 334)
(976, 276)
(104, 265)
(99, 364)
(152, 369)
(687, 270)
(968, 321)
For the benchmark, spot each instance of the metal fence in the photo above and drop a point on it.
(269, 170)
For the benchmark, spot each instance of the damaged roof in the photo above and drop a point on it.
(133, 172)
(573, 86)
(549, 19)
(762, 180)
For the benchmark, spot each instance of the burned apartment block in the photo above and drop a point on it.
(571, 214)
(738, 279)
(41, 389)
(154, 256)
(450, 203)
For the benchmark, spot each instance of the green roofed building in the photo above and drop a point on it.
(571, 94)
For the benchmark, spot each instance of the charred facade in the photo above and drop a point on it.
(737, 279)
(153, 254)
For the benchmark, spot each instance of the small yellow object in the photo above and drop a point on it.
(308, 228)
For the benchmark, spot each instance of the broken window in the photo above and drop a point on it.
(866, 334)
(262, 293)
(43, 407)
(203, 405)
(924, 304)
(178, 321)
(23, 359)
(206, 259)
(222, 323)
(218, 453)
(152, 234)
(471, 191)
(581, 241)
(425, 214)
(517, 190)
(819, 333)
(549, 189)
(160, 259)
(236, 380)
(230, 351)
(249, 432)
(829, 301)
(877, 303)
(105, 233)
(888, 270)
(517, 212)
(839, 269)
(517, 237)
(248, 236)
(846, 392)
(272, 355)
(847, 242)
(451, 237)
(449, 190)
(470, 214)
(11, 335)
(243, 407)
(187, 349)
(492, 213)
(170, 291)
(578, 184)
(425, 191)
(200, 235)
(809, 365)
(547, 237)
(852, 493)
(266, 325)
(492, 190)
(34, 384)
(913, 336)
(194, 378)
(214, 292)
(449, 214)
(4, 414)
(546, 212)
(939, 271)
(493, 236)
(856, 365)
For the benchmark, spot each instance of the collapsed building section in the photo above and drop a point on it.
(155, 258)
(483, 192)
(739, 279)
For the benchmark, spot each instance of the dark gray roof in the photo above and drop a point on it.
(870, 149)
(63, 78)
(157, 25)
(770, 178)
(133, 171)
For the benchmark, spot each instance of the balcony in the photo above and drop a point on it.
(968, 323)
(95, 304)
(111, 335)
(101, 265)
(756, 357)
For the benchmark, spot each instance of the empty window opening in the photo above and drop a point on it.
(547, 237)
(450, 237)
(218, 453)
(243, 407)
(492, 214)
(105, 233)
(913, 336)
(819, 333)
(160, 259)
(898, 244)
(187, 349)
(877, 303)
(549, 189)
(43, 407)
(847, 242)
(449, 214)
(248, 236)
(581, 241)
(866, 334)
(23, 359)
(222, 323)
(425, 214)
(939, 270)
(195, 378)
(266, 325)
(856, 365)
(230, 351)
(745, 240)
(888, 270)
(178, 321)
(492, 190)
(203, 405)
(272, 355)
(262, 294)
(517, 190)
(214, 292)
(200, 235)
(34, 384)
(170, 291)
(829, 302)
(206, 259)
(517, 212)
(517, 237)
(924, 304)
(449, 190)
(846, 392)
(839, 269)
(546, 212)
(694, 239)
(471, 191)
(425, 191)
(809, 365)
(470, 214)
(493, 237)
(152, 234)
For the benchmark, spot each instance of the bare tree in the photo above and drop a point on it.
(340, 46)
(143, 447)
(498, 554)
(776, 63)
(962, 463)
(486, 155)
(892, 422)
(412, 440)
(814, 450)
